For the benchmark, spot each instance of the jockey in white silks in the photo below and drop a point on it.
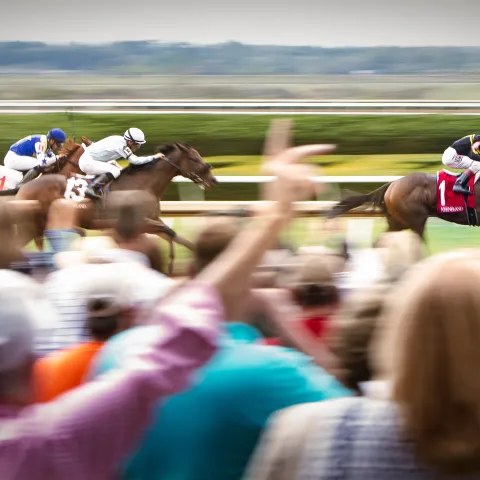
(96, 157)
(33, 153)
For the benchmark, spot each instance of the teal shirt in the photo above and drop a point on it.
(210, 431)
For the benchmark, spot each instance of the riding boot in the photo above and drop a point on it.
(30, 175)
(461, 183)
(93, 190)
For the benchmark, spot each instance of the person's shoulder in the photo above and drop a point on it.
(280, 367)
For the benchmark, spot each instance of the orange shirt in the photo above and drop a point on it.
(64, 370)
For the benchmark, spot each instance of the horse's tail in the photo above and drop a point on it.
(11, 191)
(375, 198)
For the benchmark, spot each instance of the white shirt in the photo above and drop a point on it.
(109, 148)
(115, 147)
(64, 289)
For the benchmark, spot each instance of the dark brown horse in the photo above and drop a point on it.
(406, 203)
(154, 177)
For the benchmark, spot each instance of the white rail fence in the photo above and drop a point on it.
(193, 207)
(240, 107)
(325, 179)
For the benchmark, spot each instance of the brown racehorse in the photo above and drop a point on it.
(406, 203)
(154, 177)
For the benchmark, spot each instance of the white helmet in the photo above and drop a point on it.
(135, 135)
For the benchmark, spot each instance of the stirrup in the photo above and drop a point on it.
(461, 190)
(91, 193)
(461, 187)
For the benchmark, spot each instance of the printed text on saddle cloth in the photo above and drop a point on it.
(447, 200)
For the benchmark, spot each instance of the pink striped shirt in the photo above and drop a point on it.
(87, 432)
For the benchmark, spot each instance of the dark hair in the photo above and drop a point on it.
(312, 295)
(103, 320)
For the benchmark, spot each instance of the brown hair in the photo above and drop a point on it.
(212, 240)
(430, 347)
(352, 332)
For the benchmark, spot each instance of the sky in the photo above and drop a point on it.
(281, 22)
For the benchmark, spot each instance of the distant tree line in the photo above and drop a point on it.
(236, 59)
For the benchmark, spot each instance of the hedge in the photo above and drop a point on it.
(244, 134)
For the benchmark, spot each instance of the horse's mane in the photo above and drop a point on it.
(70, 147)
(165, 149)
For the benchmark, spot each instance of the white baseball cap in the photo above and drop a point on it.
(25, 315)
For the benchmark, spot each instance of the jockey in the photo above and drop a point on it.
(34, 153)
(464, 153)
(95, 160)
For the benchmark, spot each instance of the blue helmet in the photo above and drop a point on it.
(57, 134)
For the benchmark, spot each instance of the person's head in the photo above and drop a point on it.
(212, 240)
(135, 138)
(398, 251)
(429, 346)
(129, 209)
(109, 300)
(311, 282)
(351, 334)
(24, 316)
(56, 137)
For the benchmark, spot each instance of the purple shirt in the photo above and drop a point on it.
(87, 432)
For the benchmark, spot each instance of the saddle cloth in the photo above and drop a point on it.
(447, 200)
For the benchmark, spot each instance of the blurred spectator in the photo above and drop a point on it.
(428, 348)
(313, 289)
(130, 210)
(351, 334)
(355, 325)
(210, 431)
(110, 310)
(65, 287)
(398, 251)
(66, 437)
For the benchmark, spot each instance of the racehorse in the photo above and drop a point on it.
(154, 177)
(406, 203)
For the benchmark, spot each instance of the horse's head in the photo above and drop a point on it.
(189, 164)
(68, 155)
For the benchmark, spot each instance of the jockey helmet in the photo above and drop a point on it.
(57, 134)
(135, 135)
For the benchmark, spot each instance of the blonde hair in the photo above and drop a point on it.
(399, 251)
(430, 348)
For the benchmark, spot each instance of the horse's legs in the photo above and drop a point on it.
(406, 210)
(394, 224)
